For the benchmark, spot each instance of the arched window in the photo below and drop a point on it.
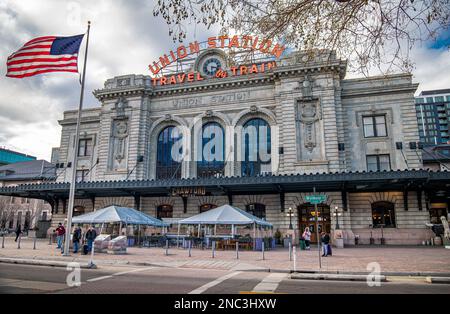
(211, 153)
(164, 211)
(256, 209)
(78, 211)
(206, 207)
(383, 215)
(256, 147)
(3, 221)
(166, 166)
(19, 219)
(11, 221)
(27, 223)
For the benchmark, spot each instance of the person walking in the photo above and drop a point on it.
(60, 232)
(307, 236)
(76, 239)
(325, 242)
(18, 231)
(91, 234)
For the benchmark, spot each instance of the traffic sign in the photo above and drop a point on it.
(316, 199)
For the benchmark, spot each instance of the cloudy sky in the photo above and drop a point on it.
(125, 38)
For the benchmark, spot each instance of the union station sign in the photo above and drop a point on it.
(212, 62)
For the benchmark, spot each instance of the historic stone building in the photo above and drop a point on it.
(348, 138)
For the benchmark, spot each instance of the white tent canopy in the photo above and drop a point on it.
(224, 215)
(116, 214)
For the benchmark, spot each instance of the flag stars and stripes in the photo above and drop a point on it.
(44, 55)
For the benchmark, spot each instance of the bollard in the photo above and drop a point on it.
(167, 247)
(213, 246)
(91, 262)
(262, 249)
(237, 250)
(18, 243)
(295, 259)
(3, 241)
(34, 243)
(190, 241)
(290, 251)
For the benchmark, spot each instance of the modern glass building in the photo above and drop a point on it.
(9, 157)
(433, 116)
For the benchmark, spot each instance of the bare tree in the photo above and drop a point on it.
(371, 33)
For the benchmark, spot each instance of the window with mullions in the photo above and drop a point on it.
(256, 141)
(383, 215)
(85, 148)
(256, 209)
(378, 162)
(164, 211)
(82, 175)
(375, 126)
(166, 166)
(211, 154)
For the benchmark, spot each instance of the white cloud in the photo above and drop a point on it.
(125, 38)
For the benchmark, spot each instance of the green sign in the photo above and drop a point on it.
(316, 199)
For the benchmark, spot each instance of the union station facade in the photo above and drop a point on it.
(353, 140)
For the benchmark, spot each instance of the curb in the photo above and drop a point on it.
(43, 263)
(335, 277)
(441, 280)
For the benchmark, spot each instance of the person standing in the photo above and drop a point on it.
(91, 234)
(60, 232)
(307, 237)
(325, 242)
(76, 239)
(18, 231)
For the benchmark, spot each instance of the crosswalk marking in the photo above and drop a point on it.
(270, 282)
(213, 283)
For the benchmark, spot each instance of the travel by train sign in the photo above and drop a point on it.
(214, 66)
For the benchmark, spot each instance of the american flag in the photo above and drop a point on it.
(45, 54)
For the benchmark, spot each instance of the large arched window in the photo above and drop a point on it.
(256, 147)
(27, 222)
(164, 211)
(166, 166)
(206, 207)
(383, 215)
(3, 220)
(211, 153)
(257, 209)
(78, 211)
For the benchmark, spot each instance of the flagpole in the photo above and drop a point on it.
(75, 155)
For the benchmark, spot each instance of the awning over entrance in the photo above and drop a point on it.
(409, 180)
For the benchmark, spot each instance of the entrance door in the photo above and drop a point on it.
(307, 218)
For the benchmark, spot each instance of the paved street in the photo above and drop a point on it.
(136, 280)
(353, 259)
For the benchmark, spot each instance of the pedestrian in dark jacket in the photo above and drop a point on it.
(76, 239)
(91, 234)
(18, 231)
(325, 238)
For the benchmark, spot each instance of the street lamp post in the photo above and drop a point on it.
(290, 214)
(337, 214)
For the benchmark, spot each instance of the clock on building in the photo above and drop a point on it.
(211, 66)
(210, 62)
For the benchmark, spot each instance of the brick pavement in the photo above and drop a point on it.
(355, 259)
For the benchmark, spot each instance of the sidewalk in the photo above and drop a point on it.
(417, 261)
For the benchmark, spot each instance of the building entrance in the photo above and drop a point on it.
(307, 218)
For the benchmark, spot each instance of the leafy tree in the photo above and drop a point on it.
(371, 33)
